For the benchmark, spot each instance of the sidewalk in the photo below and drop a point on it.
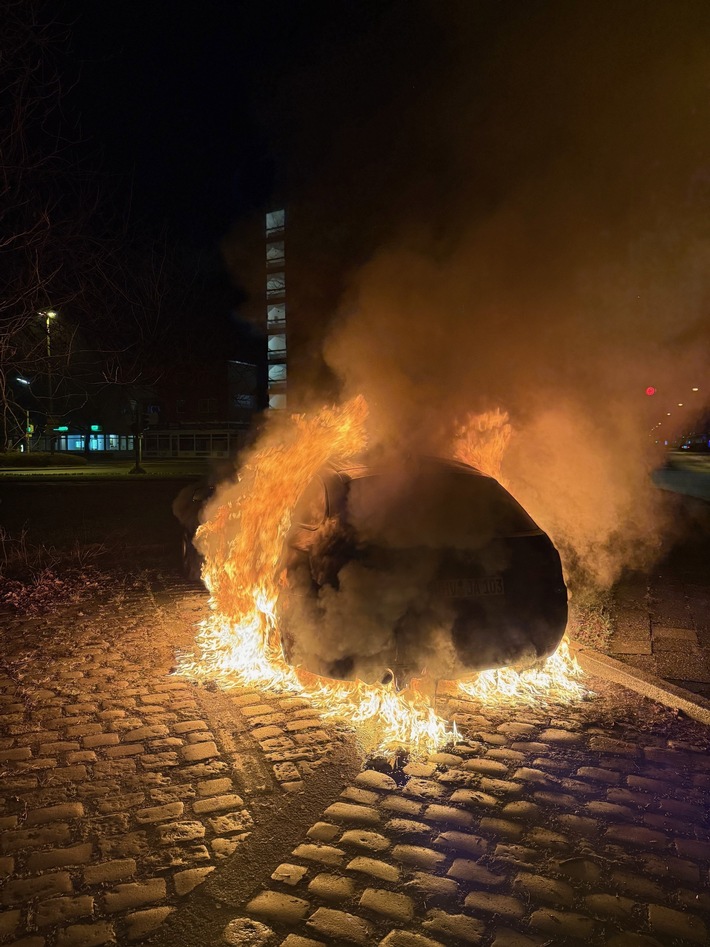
(662, 618)
(136, 805)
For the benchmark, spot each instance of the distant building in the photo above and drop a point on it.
(276, 308)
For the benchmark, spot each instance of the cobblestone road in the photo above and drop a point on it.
(134, 802)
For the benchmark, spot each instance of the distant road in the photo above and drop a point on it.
(119, 469)
(686, 473)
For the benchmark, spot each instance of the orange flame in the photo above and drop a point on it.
(482, 440)
(556, 680)
(242, 541)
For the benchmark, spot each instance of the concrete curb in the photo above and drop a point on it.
(648, 685)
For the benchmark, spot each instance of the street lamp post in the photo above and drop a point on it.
(49, 315)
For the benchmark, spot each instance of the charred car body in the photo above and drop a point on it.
(424, 567)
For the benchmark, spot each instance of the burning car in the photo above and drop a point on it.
(424, 567)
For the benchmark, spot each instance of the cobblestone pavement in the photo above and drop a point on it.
(134, 803)
(662, 617)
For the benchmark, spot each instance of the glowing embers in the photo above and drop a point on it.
(557, 680)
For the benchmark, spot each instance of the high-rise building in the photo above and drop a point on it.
(276, 308)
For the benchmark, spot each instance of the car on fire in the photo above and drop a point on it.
(423, 567)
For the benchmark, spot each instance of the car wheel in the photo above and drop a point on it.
(191, 560)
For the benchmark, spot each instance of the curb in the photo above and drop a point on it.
(648, 685)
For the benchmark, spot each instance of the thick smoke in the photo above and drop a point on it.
(516, 196)
(583, 281)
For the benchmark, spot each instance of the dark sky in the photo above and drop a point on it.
(200, 107)
(163, 92)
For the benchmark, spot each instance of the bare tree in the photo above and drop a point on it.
(63, 251)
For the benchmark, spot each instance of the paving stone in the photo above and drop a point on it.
(612, 906)
(186, 881)
(389, 904)
(371, 779)
(417, 856)
(9, 922)
(373, 868)
(341, 926)
(142, 923)
(332, 887)
(326, 854)
(289, 874)
(400, 805)
(195, 752)
(293, 940)
(58, 910)
(135, 894)
(677, 868)
(368, 841)
(501, 787)
(580, 825)
(115, 870)
(61, 857)
(180, 832)
(546, 890)
(518, 855)
(522, 810)
(55, 833)
(274, 906)
(563, 737)
(563, 924)
(362, 796)
(246, 932)
(458, 926)
(507, 937)
(423, 789)
(462, 842)
(58, 813)
(231, 822)
(613, 747)
(24, 889)
(558, 800)
(423, 770)
(189, 726)
(475, 799)
(466, 870)
(637, 886)
(323, 831)
(171, 810)
(359, 815)
(690, 848)
(86, 935)
(638, 836)
(664, 921)
(433, 888)
(407, 939)
(501, 828)
(486, 767)
(449, 816)
(491, 903)
(217, 803)
(408, 828)
(610, 811)
(599, 775)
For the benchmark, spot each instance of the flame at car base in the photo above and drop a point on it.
(239, 643)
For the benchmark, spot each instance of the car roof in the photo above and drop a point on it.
(355, 470)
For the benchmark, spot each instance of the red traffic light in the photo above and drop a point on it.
(650, 391)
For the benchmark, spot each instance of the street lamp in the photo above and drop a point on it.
(48, 315)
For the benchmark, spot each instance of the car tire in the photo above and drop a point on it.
(191, 560)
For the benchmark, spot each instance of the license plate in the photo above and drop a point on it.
(472, 588)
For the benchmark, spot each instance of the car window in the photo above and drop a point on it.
(311, 508)
(436, 507)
